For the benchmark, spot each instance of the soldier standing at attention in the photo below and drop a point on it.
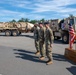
(41, 41)
(36, 37)
(48, 43)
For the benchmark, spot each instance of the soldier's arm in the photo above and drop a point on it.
(38, 32)
(51, 36)
(44, 33)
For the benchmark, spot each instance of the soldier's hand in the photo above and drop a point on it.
(51, 45)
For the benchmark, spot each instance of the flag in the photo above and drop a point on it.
(72, 36)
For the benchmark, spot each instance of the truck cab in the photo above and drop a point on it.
(61, 28)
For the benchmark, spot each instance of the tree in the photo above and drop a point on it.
(71, 15)
(26, 20)
(21, 20)
(42, 20)
(33, 21)
(13, 20)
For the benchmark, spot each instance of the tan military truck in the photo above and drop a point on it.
(61, 28)
(15, 28)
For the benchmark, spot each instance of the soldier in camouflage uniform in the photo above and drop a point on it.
(48, 42)
(36, 37)
(41, 41)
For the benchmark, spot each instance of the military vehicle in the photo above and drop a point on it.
(61, 28)
(15, 28)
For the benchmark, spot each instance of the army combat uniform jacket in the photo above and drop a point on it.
(36, 33)
(41, 34)
(49, 36)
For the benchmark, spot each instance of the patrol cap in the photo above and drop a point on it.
(40, 23)
(46, 23)
(36, 23)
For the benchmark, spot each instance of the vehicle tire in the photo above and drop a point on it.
(15, 33)
(19, 33)
(65, 38)
(8, 33)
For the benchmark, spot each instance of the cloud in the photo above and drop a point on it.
(53, 5)
(22, 4)
(42, 5)
(37, 9)
(8, 15)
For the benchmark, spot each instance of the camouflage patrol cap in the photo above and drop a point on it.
(36, 23)
(40, 22)
(46, 23)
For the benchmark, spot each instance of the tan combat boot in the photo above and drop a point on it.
(42, 58)
(37, 53)
(49, 62)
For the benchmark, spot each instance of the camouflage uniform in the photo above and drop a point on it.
(48, 41)
(36, 37)
(41, 41)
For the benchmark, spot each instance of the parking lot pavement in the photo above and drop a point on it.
(17, 57)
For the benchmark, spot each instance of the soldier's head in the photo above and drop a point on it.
(36, 24)
(40, 24)
(46, 24)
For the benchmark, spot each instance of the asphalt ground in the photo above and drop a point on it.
(17, 57)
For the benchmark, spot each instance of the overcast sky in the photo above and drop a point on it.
(36, 9)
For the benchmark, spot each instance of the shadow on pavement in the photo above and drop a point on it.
(29, 36)
(60, 57)
(58, 41)
(72, 69)
(27, 55)
(22, 35)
